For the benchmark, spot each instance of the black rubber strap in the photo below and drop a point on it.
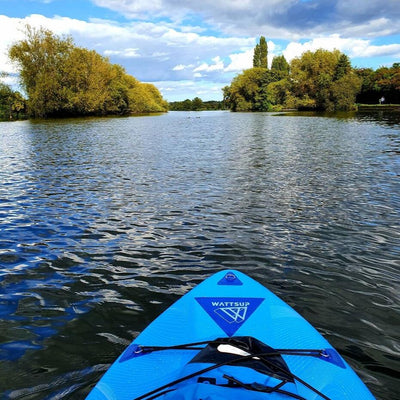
(216, 366)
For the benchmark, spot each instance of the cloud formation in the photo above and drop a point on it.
(149, 51)
(354, 48)
(288, 19)
(197, 46)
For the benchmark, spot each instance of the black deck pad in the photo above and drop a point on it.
(272, 365)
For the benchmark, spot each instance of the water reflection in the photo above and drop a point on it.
(385, 118)
(105, 222)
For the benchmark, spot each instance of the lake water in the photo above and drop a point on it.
(105, 222)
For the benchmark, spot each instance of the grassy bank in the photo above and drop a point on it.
(379, 107)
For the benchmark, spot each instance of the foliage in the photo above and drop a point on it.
(260, 57)
(325, 77)
(145, 97)
(279, 63)
(61, 79)
(322, 80)
(344, 92)
(249, 90)
(384, 82)
(279, 93)
(12, 104)
(342, 68)
(196, 104)
(226, 97)
(319, 80)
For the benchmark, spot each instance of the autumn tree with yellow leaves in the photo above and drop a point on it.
(61, 79)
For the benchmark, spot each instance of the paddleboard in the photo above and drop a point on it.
(230, 338)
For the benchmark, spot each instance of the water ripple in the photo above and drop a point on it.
(106, 222)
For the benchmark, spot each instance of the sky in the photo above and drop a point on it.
(193, 48)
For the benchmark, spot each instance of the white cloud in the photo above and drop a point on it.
(133, 9)
(181, 67)
(173, 48)
(372, 28)
(167, 50)
(240, 15)
(115, 40)
(188, 89)
(217, 65)
(244, 60)
(284, 19)
(240, 61)
(379, 51)
(10, 80)
(295, 49)
(9, 33)
(125, 53)
(360, 48)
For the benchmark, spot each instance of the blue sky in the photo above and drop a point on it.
(195, 47)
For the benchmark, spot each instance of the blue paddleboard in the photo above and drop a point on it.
(230, 338)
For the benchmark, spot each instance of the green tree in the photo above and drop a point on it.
(387, 82)
(185, 105)
(62, 79)
(226, 97)
(344, 92)
(5, 102)
(317, 78)
(248, 91)
(12, 104)
(18, 106)
(343, 67)
(368, 93)
(197, 104)
(279, 64)
(279, 94)
(260, 57)
(89, 84)
(41, 58)
(145, 98)
(321, 80)
(256, 56)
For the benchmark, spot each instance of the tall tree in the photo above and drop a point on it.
(343, 67)
(263, 53)
(197, 104)
(62, 79)
(279, 64)
(260, 56)
(41, 57)
(248, 90)
(321, 77)
(12, 104)
(256, 56)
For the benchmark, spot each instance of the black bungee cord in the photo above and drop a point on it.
(276, 352)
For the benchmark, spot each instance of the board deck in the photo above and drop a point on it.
(229, 304)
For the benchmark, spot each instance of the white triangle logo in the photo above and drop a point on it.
(232, 314)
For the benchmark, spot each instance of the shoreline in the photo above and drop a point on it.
(379, 107)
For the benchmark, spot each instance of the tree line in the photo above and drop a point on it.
(12, 103)
(196, 104)
(61, 79)
(383, 82)
(319, 80)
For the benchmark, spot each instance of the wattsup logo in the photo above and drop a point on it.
(229, 313)
(232, 312)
